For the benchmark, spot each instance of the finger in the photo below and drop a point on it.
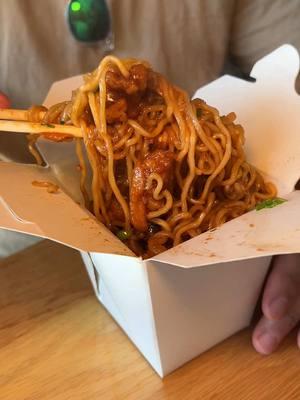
(4, 101)
(281, 304)
(283, 287)
(268, 334)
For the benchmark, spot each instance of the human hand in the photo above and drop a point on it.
(280, 304)
(4, 101)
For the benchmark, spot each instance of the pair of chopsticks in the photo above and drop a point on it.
(13, 120)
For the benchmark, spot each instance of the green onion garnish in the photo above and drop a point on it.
(270, 203)
(124, 235)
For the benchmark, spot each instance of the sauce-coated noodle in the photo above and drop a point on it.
(164, 168)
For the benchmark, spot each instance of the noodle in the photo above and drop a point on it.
(83, 173)
(164, 168)
(33, 150)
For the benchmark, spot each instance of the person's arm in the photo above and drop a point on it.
(258, 28)
(14, 147)
(4, 101)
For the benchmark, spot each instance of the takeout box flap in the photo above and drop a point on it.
(268, 109)
(59, 217)
(255, 234)
(62, 156)
(33, 210)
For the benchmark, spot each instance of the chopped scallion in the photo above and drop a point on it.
(124, 235)
(270, 203)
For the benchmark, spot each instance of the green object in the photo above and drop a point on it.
(124, 235)
(270, 203)
(88, 20)
(75, 6)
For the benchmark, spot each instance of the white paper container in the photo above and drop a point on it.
(180, 303)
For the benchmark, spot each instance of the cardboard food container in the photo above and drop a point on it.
(185, 300)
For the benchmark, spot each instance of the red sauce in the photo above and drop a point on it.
(51, 187)
(57, 137)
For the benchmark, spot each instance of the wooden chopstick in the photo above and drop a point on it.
(17, 115)
(38, 128)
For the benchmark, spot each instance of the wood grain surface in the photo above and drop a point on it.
(58, 343)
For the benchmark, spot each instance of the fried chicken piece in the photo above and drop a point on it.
(136, 82)
(116, 112)
(159, 162)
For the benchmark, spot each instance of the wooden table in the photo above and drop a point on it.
(57, 342)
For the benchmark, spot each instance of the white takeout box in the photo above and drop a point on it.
(182, 302)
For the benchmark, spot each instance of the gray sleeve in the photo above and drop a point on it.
(260, 26)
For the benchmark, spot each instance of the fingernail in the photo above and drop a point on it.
(278, 308)
(268, 343)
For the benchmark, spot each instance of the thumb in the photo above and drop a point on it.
(280, 305)
(4, 101)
